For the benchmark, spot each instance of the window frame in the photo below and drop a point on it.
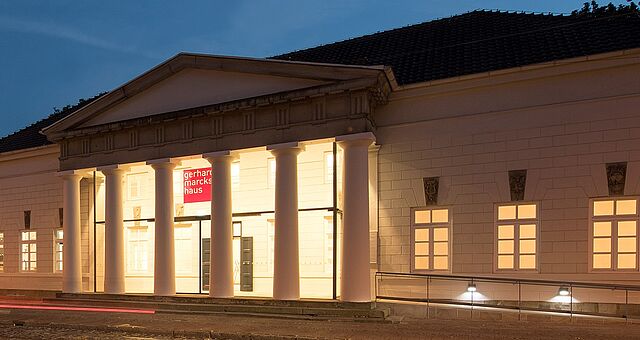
(57, 241)
(430, 226)
(516, 222)
(614, 219)
(2, 254)
(28, 242)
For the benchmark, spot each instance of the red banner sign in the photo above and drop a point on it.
(197, 185)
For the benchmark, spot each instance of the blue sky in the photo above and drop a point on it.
(54, 52)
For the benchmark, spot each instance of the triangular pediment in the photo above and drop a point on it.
(198, 87)
(189, 81)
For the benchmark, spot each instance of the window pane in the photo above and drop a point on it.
(602, 245)
(25, 236)
(505, 261)
(627, 245)
(440, 248)
(528, 231)
(527, 246)
(626, 261)
(440, 234)
(602, 208)
(601, 229)
(440, 216)
(422, 235)
(627, 228)
(505, 232)
(601, 261)
(626, 207)
(423, 216)
(507, 212)
(422, 262)
(505, 247)
(422, 249)
(441, 262)
(527, 211)
(32, 235)
(527, 262)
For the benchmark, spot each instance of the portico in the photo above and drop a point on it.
(247, 197)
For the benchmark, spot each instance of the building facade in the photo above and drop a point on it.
(288, 178)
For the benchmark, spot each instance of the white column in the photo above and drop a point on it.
(114, 231)
(355, 284)
(164, 270)
(286, 267)
(221, 254)
(72, 254)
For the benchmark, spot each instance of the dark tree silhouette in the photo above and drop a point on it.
(593, 10)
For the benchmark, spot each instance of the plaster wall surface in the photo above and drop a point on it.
(561, 127)
(28, 182)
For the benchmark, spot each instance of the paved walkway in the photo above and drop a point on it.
(36, 324)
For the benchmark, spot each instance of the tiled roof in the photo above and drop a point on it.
(474, 42)
(478, 41)
(30, 136)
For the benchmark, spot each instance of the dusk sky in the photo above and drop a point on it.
(55, 52)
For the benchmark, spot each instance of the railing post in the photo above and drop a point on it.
(626, 304)
(519, 300)
(428, 296)
(570, 302)
(472, 301)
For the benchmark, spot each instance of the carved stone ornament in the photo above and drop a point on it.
(431, 190)
(517, 184)
(616, 177)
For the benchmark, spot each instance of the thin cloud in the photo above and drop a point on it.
(65, 33)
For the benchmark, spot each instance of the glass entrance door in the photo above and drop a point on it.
(187, 251)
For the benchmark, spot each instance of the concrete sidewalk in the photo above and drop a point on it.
(199, 326)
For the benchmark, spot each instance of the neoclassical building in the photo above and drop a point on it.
(490, 143)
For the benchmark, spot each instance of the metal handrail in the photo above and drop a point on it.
(516, 304)
(575, 284)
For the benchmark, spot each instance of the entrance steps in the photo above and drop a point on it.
(304, 309)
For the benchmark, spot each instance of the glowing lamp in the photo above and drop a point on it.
(563, 291)
(471, 288)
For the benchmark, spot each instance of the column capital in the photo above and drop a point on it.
(74, 173)
(163, 163)
(111, 169)
(364, 138)
(218, 156)
(281, 148)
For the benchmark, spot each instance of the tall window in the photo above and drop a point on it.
(516, 231)
(328, 167)
(235, 174)
(28, 261)
(1, 252)
(58, 249)
(137, 252)
(614, 230)
(183, 242)
(431, 229)
(271, 168)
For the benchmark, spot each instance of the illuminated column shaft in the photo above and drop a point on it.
(114, 232)
(355, 283)
(221, 254)
(72, 255)
(164, 270)
(286, 268)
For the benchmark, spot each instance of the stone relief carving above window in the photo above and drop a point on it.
(431, 190)
(517, 184)
(616, 177)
